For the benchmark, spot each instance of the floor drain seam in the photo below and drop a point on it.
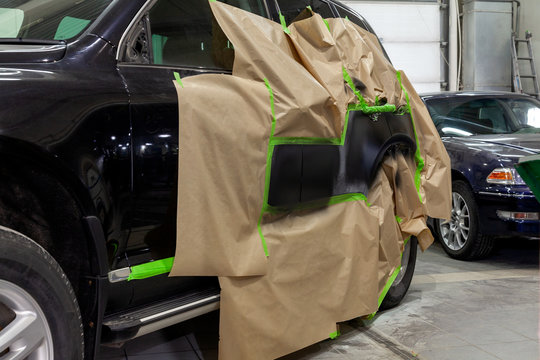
(386, 342)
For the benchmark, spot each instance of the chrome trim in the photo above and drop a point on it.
(17, 48)
(135, 19)
(143, 9)
(119, 275)
(173, 67)
(267, 10)
(517, 196)
(175, 319)
(149, 318)
(506, 215)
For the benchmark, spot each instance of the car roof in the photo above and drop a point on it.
(470, 93)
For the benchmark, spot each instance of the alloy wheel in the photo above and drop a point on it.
(27, 336)
(455, 232)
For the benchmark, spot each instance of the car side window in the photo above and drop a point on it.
(495, 116)
(526, 112)
(185, 33)
(292, 8)
(486, 113)
(479, 116)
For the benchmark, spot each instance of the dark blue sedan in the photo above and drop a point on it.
(485, 134)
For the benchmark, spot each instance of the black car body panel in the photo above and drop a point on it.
(106, 129)
(305, 173)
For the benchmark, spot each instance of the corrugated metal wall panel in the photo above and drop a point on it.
(410, 33)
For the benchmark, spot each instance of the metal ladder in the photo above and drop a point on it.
(516, 77)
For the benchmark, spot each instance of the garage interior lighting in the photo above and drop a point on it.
(509, 215)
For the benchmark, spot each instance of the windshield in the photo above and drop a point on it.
(462, 116)
(47, 19)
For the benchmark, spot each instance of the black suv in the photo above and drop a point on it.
(88, 149)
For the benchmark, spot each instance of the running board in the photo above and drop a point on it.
(140, 321)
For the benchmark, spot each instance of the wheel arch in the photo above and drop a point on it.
(397, 141)
(458, 175)
(40, 197)
(33, 285)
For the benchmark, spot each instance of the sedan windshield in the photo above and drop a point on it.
(47, 19)
(465, 116)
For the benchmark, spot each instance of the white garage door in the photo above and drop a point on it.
(410, 33)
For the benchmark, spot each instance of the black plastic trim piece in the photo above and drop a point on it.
(94, 319)
(305, 173)
(99, 262)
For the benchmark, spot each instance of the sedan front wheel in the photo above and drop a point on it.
(461, 237)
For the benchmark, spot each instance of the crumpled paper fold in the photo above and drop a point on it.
(325, 264)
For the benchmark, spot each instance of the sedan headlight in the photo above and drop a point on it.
(505, 176)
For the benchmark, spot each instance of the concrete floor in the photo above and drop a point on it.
(455, 310)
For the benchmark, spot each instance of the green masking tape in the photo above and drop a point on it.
(178, 79)
(334, 335)
(269, 154)
(327, 24)
(364, 107)
(417, 155)
(150, 269)
(389, 284)
(273, 141)
(390, 281)
(284, 23)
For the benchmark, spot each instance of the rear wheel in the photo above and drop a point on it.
(401, 284)
(39, 315)
(461, 237)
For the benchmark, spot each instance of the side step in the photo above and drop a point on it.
(140, 321)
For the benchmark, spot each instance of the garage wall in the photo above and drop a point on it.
(410, 33)
(529, 20)
(487, 43)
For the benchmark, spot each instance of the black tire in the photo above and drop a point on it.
(461, 237)
(401, 284)
(32, 281)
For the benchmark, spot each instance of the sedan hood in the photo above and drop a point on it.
(504, 145)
